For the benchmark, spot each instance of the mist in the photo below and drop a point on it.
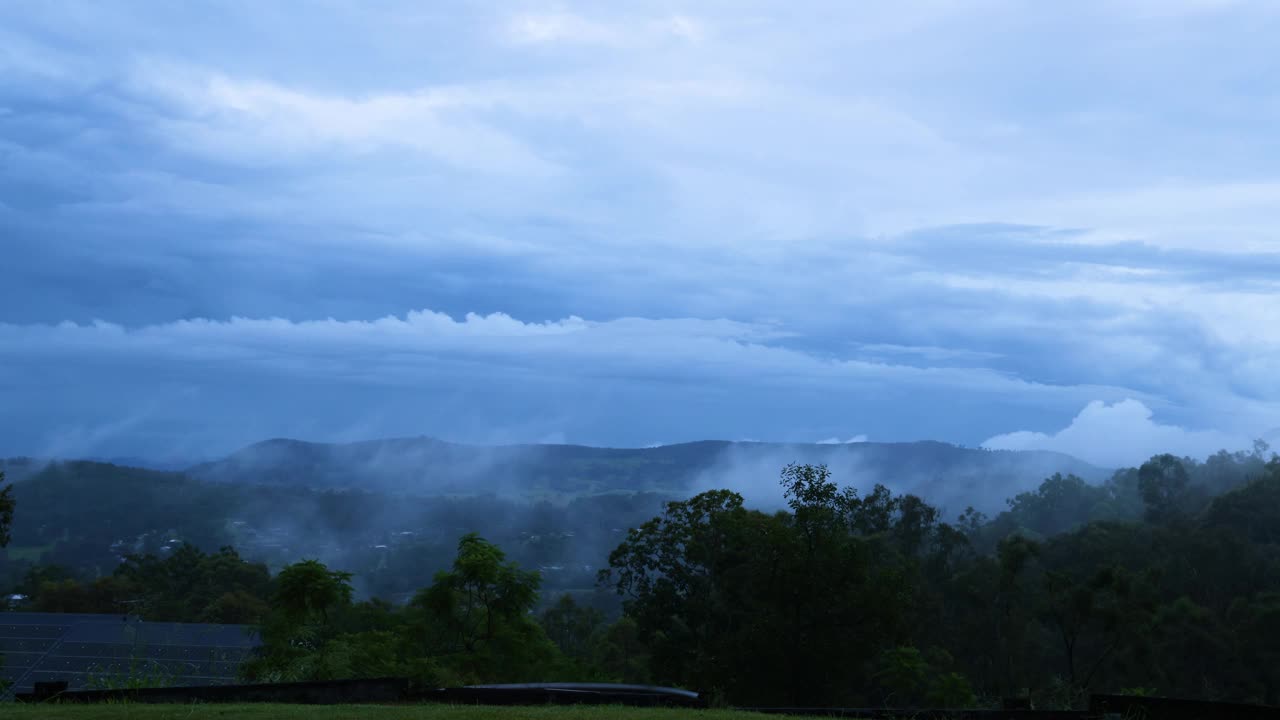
(948, 477)
(392, 510)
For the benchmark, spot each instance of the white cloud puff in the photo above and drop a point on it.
(837, 441)
(1119, 435)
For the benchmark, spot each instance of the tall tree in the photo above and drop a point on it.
(7, 504)
(572, 627)
(1164, 483)
(789, 608)
(307, 589)
(479, 616)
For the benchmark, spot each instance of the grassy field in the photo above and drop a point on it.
(130, 711)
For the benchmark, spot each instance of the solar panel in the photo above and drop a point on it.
(34, 632)
(49, 618)
(82, 648)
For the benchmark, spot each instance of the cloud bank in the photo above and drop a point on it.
(221, 222)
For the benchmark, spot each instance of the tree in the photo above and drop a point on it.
(297, 635)
(572, 627)
(684, 576)
(235, 608)
(306, 589)
(1090, 617)
(1015, 558)
(789, 608)
(7, 504)
(189, 585)
(478, 616)
(912, 678)
(1252, 511)
(619, 655)
(1163, 482)
(1191, 646)
(481, 592)
(1256, 623)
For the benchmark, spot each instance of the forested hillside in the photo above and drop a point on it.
(424, 466)
(85, 518)
(1163, 579)
(392, 509)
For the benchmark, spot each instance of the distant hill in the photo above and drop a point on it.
(20, 468)
(137, 461)
(392, 510)
(940, 472)
(16, 469)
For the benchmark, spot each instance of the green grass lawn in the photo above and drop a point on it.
(138, 711)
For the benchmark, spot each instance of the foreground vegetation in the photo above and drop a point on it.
(1163, 580)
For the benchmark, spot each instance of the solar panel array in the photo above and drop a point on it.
(92, 650)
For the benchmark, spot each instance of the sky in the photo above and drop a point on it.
(1003, 224)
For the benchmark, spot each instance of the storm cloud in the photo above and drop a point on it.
(222, 221)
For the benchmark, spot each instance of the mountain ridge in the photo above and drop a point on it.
(946, 475)
(425, 465)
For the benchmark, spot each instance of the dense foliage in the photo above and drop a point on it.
(6, 510)
(471, 624)
(789, 607)
(185, 586)
(859, 600)
(1164, 579)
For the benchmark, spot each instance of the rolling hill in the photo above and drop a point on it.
(939, 472)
